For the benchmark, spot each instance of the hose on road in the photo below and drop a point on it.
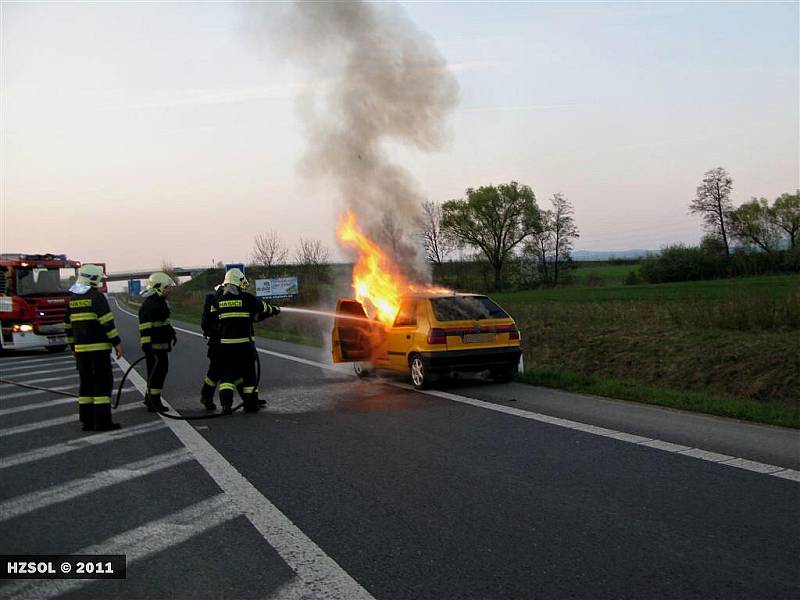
(38, 387)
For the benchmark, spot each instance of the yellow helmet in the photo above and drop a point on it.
(237, 278)
(159, 281)
(91, 275)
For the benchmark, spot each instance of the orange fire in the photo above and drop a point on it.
(378, 283)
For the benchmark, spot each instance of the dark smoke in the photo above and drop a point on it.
(376, 78)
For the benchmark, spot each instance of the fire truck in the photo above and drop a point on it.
(33, 298)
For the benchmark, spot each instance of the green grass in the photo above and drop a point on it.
(772, 413)
(720, 289)
(586, 274)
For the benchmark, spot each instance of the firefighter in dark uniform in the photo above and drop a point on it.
(157, 337)
(237, 310)
(210, 326)
(91, 333)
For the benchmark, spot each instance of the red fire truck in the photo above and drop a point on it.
(33, 296)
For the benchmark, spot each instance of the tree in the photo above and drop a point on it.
(313, 255)
(713, 202)
(494, 219)
(753, 223)
(564, 230)
(437, 243)
(269, 250)
(542, 243)
(786, 215)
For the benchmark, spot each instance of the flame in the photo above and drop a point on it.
(378, 283)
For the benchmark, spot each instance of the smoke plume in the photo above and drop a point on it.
(374, 78)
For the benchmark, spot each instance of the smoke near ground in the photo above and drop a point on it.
(374, 78)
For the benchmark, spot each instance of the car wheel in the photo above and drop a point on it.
(59, 348)
(361, 370)
(419, 372)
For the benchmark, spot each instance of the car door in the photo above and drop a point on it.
(401, 335)
(354, 336)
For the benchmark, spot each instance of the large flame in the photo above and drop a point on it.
(378, 283)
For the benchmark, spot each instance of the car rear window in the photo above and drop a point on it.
(466, 308)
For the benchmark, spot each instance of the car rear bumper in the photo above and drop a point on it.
(472, 360)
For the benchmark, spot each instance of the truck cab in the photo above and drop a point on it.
(33, 294)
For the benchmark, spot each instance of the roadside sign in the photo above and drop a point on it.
(280, 287)
(134, 287)
(230, 266)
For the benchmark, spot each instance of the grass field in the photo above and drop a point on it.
(729, 347)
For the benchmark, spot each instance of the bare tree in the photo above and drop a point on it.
(786, 215)
(437, 243)
(168, 268)
(564, 231)
(713, 202)
(269, 251)
(311, 252)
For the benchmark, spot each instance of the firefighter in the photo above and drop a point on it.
(91, 333)
(237, 310)
(157, 337)
(210, 326)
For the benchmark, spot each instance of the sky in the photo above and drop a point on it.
(136, 133)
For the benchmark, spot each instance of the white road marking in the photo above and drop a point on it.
(320, 574)
(78, 444)
(25, 503)
(567, 423)
(25, 367)
(28, 360)
(43, 379)
(137, 544)
(46, 403)
(5, 373)
(73, 418)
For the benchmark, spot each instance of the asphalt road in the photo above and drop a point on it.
(347, 488)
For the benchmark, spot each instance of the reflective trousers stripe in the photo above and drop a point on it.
(236, 340)
(210, 382)
(248, 389)
(92, 347)
(85, 399)
(102, 400)
(226, 386)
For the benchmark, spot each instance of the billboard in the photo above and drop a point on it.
(280, 287)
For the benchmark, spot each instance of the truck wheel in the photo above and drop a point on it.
(419, 372)
(362, 370)
(55, 349)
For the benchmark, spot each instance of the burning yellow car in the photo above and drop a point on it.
(433, 334)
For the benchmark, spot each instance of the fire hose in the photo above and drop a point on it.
(122, 383)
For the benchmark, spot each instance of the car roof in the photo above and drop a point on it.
(440, 294)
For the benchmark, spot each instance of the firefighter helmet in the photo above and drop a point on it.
(237, 278)
(91, 275)
(159, 281)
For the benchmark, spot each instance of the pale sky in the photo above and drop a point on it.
(136, 132)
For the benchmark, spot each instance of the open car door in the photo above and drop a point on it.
(353, 333)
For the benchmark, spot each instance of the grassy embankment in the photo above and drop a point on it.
(726, 347)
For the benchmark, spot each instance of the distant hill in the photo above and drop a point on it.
(609, 254)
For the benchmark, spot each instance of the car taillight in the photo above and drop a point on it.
(437, 336)
(513, 334)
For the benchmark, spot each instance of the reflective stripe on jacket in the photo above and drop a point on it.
(89, 323)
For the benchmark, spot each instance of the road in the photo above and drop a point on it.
(345, 488)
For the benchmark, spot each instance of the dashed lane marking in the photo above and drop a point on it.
(46, 403)
(78, 444)
(73, 418)
(5, 372)
(70, 490)
(622, 436)
(28, 360)
(137, 544)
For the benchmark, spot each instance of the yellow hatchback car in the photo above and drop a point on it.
(434, 334)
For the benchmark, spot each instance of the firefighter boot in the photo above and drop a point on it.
(154, 404)
(102, 418)
(86, 415)
(207, 394)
